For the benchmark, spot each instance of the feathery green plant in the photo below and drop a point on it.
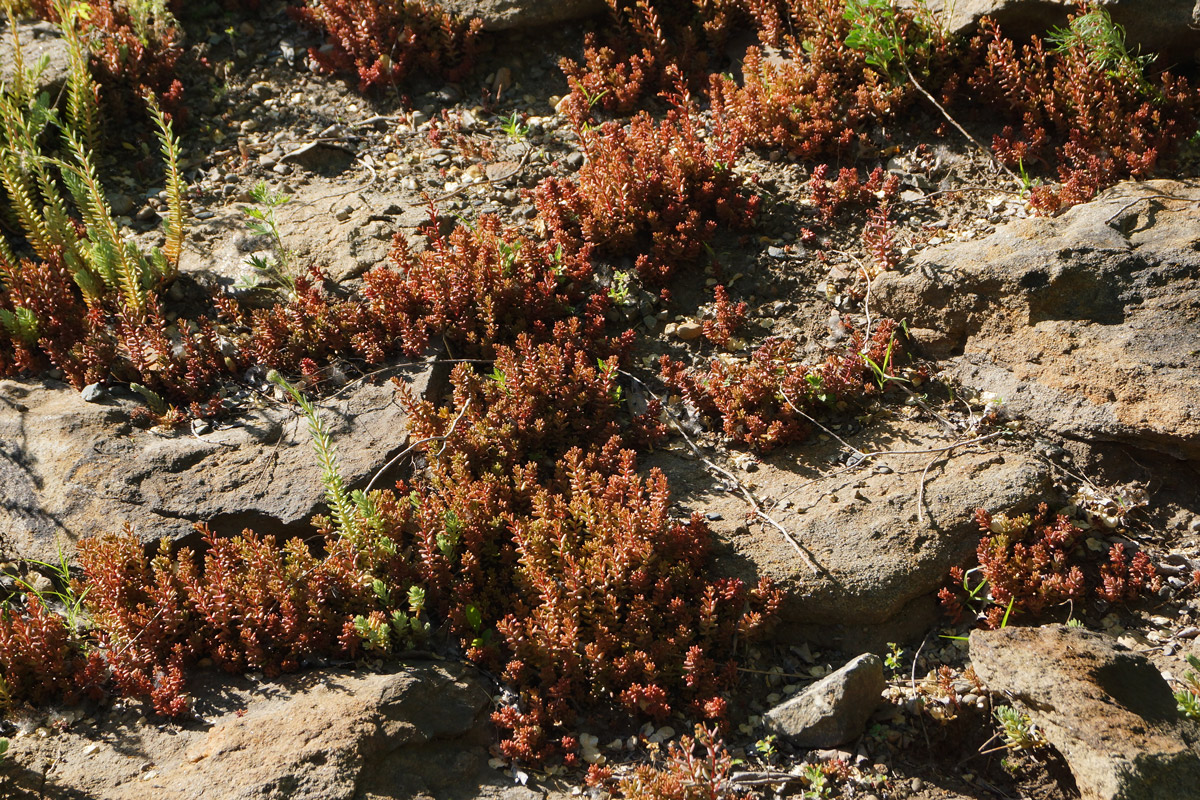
(101, 261)
(1104, 43)
(82, 110)
(262, 222)
(340, 502)
(173, 227)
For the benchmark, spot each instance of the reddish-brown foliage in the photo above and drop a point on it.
(822, 97)
(39, 654)
(695, 769)
(651, 48)
(763, 402)
(1090, 122)
(479, 287)
(384, 42)
(847, 191)
(657, 189)
(106, 341)
(1032, 563)
(728, 318)
(612, 604)
(127, 60)
(538, 401)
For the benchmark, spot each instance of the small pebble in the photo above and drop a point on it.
(689, 330)
(120, 204)
(575, 160)
(343, 213)
(92, 393)
(147, 214)
(917, 784)
(39, 583)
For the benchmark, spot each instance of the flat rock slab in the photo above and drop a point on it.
(1106, 709)
(835, 709)
(860, 525)
(413, 732)
(312, 233)
(72, 469)
(1087, 324)
(38, 40)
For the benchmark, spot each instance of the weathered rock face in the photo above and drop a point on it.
(1107, 710)
(861, 526)
(1087, 324)
(418, 732)
(835, 709)
(72, 469)
(500, 15)
(38, 40)
(1156, 26)
(337, 234)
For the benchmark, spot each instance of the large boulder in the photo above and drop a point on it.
(413, 732)
(72, 469)
(1107, 710)
(1087, 324)
(1154, 26)
(499, 15)
(868, 553)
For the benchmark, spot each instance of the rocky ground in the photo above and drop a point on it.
(1060, 358)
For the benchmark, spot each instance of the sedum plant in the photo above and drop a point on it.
(386, 41)
(1033, 562)
(1081, 105)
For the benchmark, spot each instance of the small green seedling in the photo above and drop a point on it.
(70, 601)
(818, 783)
(272, 269)
(514, 127)
(894, 659)
(1188, 697)
(883, 372)
(619, 290)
